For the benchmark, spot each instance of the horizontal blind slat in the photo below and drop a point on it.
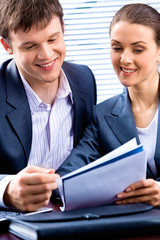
(87, 39)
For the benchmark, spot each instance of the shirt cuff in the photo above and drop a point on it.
(158, 182)
(3, 184)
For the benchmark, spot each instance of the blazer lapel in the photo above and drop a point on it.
(19, 117)
(79, 109)
(79, 99)
(121, 120)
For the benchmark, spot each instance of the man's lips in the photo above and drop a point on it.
(47, 66)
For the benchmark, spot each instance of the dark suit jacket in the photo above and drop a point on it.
(112, 125)
(15, 115)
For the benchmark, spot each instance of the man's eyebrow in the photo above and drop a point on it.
(32, 42)
(26, 43)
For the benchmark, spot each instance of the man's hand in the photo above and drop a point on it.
(146, 191)
(31, 188)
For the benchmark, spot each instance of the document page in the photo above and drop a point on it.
(99, 182)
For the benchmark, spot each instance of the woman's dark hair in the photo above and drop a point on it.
(139, 13)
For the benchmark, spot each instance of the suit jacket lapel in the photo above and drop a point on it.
(19, 117)
(79, 104)
(79, 109)
(121, 120)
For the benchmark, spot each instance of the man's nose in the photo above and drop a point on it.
(45, 52)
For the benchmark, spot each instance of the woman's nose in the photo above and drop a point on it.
(126, 57)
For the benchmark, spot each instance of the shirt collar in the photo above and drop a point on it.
(36, 103)
(64, 89)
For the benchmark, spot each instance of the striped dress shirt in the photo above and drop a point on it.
(52, 126)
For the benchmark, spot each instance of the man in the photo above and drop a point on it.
(45, 103)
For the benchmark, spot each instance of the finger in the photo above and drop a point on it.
(141, 199)
(34, 206)
(132, 200)
(39, 189)
(139, 192)
(37, 178)
(34, 169)
(26, 203)
(140, 184)
(38, 198)
(149, 187)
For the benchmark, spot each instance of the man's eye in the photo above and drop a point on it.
(52, 40)
(29, 47)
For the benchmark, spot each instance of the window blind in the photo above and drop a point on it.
(87, 39)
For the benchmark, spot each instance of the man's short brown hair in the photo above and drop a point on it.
(23, 14)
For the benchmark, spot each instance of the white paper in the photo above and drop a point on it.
(99, 182)
(130, 145)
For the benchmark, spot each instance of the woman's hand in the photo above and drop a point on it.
(146, 191)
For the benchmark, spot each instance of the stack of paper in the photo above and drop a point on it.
(99, 182)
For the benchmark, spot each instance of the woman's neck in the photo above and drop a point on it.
(144, 102)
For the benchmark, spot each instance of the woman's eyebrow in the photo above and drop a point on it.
(135, 43)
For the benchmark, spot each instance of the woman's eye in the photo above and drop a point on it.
(138, 50)
(117, 49)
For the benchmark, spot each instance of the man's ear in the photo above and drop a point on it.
(63, 26)
(6, 46)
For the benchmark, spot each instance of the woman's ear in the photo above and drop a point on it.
(6, 46)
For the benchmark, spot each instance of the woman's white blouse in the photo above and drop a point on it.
(148, 138)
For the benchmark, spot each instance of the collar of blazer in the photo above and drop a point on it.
(74, 74)
(17, 110)
(121, 121)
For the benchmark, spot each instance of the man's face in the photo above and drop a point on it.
(39, 53)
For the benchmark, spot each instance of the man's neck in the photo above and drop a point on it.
(47, 92)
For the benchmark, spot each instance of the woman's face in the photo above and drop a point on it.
(134, 53)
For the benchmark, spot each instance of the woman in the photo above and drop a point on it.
(135, 55)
